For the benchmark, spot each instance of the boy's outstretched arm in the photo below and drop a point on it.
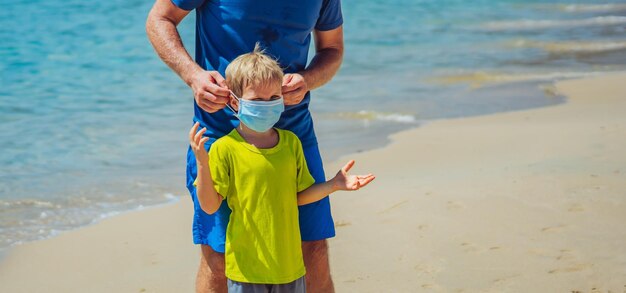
(208, 197)
(341, 181)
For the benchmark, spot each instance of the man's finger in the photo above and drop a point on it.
(219, 79)
(204, 105)
(293, 97)
(290, 102)
(211, 100)
(290, 87)
(209, 97)
(287, 78)
(288, 98)
(220, 92)
(212, 107)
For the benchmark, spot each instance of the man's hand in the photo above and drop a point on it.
(209, 90)
(196, 141)
(343, 181)
(294, 88)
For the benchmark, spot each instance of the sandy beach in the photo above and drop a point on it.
(529, 201)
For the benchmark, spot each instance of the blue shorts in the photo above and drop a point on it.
(316, 222)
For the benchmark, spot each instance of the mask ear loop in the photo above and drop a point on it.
(228, 104)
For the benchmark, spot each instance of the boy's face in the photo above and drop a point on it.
(268, 92)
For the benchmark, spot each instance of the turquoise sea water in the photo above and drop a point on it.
(92, 123)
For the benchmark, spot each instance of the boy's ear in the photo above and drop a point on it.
(234, 103)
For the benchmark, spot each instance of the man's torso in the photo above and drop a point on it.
(226, 29)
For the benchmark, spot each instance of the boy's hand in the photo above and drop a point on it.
(343, 181)
(197, 141)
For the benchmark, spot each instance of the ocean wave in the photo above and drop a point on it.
(529, 24)
(373, 115)
(8, 204)
(593, 7)
(572, 47)
(478, 79)
(30, 219)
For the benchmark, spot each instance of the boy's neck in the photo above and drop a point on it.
(261, 140)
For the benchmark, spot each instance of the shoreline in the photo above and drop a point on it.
(149, 262)
(520, 96)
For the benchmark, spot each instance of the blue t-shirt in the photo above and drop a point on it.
(226, 29)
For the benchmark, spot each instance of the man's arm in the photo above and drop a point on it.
(161, 29)
(209, 87)
(325, 64)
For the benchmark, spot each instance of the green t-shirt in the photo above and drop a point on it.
(261, 185)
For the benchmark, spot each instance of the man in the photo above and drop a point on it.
(224, 30)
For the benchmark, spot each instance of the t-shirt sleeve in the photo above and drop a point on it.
(304, 177)
(330, 16)
(220, 169)
(219, 163)
(188, 4)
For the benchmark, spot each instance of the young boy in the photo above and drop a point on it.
(262, 173)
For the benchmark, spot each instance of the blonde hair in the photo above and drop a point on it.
(253, 69)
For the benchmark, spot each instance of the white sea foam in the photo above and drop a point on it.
(594, 7)
(478, 79)
(171, 197)
(380, 116)
(574, 46)
(394, 117)
(49, 218)
(529, 24)
(26, 203)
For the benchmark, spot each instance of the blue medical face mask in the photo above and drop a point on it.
(259, 116)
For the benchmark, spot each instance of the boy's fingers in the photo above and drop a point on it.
(192, 131)
(348, 166)
(363, 177)
(370, 178)
(367, 181)
(199, 135)
(203, 141)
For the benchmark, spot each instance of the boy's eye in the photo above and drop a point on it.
(271, 99)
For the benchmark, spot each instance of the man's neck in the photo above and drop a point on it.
(260, 140)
